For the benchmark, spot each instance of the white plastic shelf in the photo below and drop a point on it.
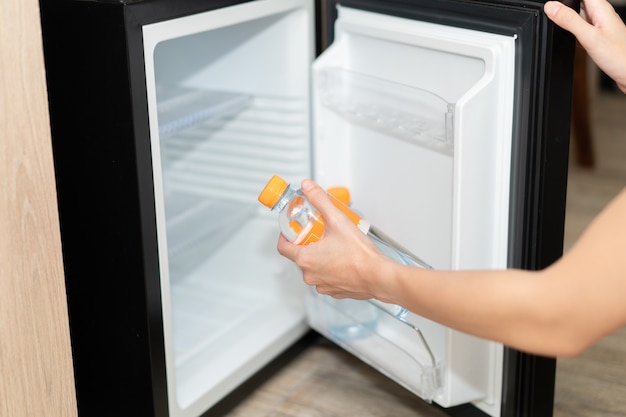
(181, 108)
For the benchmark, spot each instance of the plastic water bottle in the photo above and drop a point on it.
(302, 224)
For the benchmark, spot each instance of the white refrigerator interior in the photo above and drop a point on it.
(396, 110)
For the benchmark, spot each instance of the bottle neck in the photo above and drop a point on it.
(287, 195)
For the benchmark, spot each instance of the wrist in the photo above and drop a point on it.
(389, 283)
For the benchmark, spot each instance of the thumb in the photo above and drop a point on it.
(320, 200)
(567, 18)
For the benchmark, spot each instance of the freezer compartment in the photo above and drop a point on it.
(401, 111)
(368, 330)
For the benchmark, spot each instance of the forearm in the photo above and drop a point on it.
(559, 311)
(509, 306)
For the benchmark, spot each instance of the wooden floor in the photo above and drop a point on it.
(324, 381)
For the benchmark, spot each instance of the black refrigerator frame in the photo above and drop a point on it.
(100, 135)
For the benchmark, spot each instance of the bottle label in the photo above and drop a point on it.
(312, 232)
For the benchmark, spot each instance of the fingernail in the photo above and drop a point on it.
(307, 185)
(552, 7)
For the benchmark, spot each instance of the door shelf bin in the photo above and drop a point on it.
(404, 112)
(372, 333)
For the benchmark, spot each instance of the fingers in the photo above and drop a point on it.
(320, 200)
(338, 293)
(315, 194)
(563, 16)
(286, 248)
(568, 19)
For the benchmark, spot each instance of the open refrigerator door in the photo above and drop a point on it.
(399, 118)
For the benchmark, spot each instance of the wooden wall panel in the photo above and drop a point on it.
(36, 377)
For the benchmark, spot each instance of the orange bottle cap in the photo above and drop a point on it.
(272, 192)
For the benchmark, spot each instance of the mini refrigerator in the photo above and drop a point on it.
(448, 120)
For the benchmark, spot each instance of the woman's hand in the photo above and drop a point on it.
(344, 263)
(599, 30)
